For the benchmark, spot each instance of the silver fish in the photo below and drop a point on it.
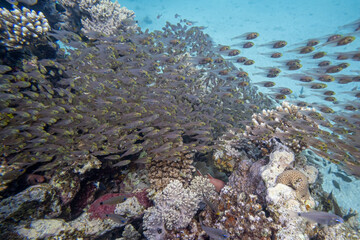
(319, 217)
(116, 218)
(215, 233)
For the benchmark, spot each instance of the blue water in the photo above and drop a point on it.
(292, 21)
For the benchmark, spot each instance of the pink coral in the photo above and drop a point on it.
(99, 210)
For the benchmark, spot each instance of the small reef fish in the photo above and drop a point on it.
(247, 36)
(335, 205)
(27, 2)
(122, 163)
(336, 185)
(116, 218)
(114, 200)
(343, 177)
(215, 233)
(319, 217)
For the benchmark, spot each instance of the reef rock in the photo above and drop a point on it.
(34, 202)
(280, 159)
(57, 228)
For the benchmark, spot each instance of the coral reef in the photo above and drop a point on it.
(226, 155)
(290, 193)
(21, 27)
(281, 158)
(297, 180)
(241, 204)
(113, 111)
(242, 216)
(162, 171)
(102, 16)
(131, 207)
(106, 17)
(298, 128)
(132, 204)
(82, 227)
(175, 207)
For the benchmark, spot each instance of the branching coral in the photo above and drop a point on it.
(300, 128)
(175, 207)
(106, 17)
(21, 27)
(102, 16)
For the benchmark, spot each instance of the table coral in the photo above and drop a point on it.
(296, 180)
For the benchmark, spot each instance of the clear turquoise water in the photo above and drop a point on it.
(292, 21)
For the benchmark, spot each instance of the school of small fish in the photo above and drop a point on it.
(321, 73)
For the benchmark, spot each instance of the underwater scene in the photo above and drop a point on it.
(181, 120)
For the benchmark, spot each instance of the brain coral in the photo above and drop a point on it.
(296, 180)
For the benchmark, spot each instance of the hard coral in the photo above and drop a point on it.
(20, 27)
(296, 180)
(107, 17)
(175, 207)
(280, 158)
(242, 216)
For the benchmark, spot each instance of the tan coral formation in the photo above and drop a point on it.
(296, 180)
(162, 171)
(20, 27)
(102, 16)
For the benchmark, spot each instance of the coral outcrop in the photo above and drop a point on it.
(281, 158)
(106, 17)
(21, 27)
(162, 171)
(175, 207)
(103, 16)
(296, 180)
